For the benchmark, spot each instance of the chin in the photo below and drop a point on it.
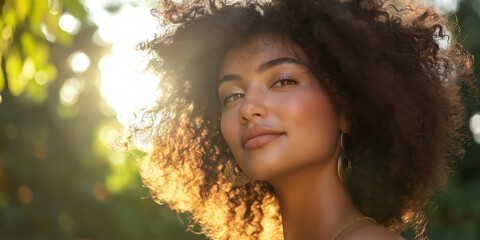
(263, 173)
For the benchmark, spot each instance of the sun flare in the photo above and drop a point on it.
(125, 85)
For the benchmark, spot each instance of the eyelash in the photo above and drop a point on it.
(228, 96)
(284, 79)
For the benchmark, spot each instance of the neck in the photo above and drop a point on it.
(314, 204)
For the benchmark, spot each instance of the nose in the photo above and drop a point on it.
(253, 107)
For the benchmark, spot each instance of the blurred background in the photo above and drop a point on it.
(71, 78)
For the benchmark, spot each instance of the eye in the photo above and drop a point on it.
(232, 97)
(284, 82)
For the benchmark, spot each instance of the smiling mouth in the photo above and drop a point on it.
(257, 136)
(260, 141)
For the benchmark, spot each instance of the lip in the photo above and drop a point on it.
(257, 136)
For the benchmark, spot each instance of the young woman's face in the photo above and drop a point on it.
(276, 117)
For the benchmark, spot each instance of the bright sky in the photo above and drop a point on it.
(124, 84)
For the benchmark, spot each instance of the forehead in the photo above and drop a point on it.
(249, 56)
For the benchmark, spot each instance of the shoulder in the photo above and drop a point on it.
(372, 232)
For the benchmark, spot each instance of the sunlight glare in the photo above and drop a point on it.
(124, 83)
(48, 36)
(79, 62)
(475, 127)
(126, 89)
(443, 6)
(69, 24)
(53, 6)
(41, 77)
(70, 91)
(446, 6)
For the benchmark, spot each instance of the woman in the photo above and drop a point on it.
(304, 119)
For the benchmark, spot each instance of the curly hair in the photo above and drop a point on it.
(393, 68)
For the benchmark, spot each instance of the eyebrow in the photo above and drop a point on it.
(262, 68)
(277, 61)
(229, 77)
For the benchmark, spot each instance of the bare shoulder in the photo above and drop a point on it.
(372, 232)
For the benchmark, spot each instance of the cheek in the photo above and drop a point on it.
(312, 123)
(310, 106)
(229, 128)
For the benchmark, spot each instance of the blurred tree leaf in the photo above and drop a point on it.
(39, 8)
(2, 78)
(51, 23)
(25, 26)
(36, 92)
(13, 66)
(9, 15)
(76, 8)
(23, 8)
(27, 43)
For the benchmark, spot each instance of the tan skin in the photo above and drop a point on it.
(265, 85)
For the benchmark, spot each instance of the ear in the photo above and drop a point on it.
(345, 123)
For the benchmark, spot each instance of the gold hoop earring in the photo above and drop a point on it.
(234, 175)
(342, 171)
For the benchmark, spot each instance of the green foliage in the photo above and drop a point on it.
(58, 177)
(25, 27)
